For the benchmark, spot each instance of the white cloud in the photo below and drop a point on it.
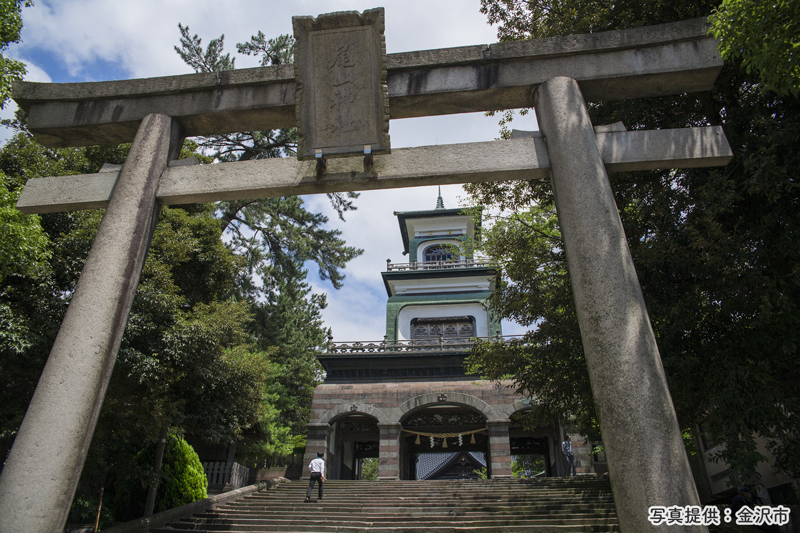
(7, 113)
(139, 36)
(36, 73)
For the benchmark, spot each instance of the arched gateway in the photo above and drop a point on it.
(407, 399)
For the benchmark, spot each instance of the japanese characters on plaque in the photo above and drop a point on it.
(342, 104)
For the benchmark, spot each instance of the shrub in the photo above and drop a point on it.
(185, 480)
(182, 480)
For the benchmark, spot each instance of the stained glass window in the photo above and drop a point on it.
(440, 252)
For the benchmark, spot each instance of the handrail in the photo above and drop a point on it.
(442, 344)
(436, 265)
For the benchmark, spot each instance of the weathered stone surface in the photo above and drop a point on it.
(342, 97)
(45, 463)
(646, 458)
(499, 449)
(523, 158)
(227, 107)
(650, 61)
(389, 458)
(81, 191)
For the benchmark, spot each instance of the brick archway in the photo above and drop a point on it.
(494, 449)
(343, 410)
(435, 398)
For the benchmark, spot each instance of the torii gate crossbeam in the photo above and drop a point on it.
(646, 460)
(616, 65)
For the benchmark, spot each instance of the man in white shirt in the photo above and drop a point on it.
(566, 447)
(317, 467)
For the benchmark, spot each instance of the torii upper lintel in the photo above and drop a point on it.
(649, 61)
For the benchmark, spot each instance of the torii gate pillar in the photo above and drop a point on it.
(642, 440)
(60, 421)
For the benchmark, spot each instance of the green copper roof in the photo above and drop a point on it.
(402, 216)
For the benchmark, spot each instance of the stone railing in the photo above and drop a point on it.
(436, 265)
(442, 344)
(222, 473)
(144, 525)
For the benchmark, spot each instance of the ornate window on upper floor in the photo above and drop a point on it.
(453, 327)
(441, 252)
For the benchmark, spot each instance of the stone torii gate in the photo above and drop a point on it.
(644, 450)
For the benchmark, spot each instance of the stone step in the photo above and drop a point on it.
(464, 496)
(394, 511)
(418, 528)
(340, 495)
(433, 510)
(475, 490)
(416, 507)
(444, 504)
(449, 493)
(254, 525)
(464, 488)
(470, 485)
(332, 491)
(441, 494)
(323, 525)
(552, 482)
(430, 517)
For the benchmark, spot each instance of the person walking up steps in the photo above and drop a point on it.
(317, 467)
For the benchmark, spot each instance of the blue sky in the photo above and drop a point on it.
(97, 40)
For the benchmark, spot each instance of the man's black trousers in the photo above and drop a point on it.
(315, 476)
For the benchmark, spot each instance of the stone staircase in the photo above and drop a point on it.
(557, 505)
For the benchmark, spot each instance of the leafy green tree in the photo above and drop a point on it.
(535, 291)
(549, 18)
(290, 321)
(10, 27)
(765, 37)
(527, 466)
(275, 234)
(192, 356)
(482, 473)
(182, 363)
(369, 469)
(717, 251)
(34, 295)
(23, 250)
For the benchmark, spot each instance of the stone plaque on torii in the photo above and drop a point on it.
(644, 449)
(342, 97)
